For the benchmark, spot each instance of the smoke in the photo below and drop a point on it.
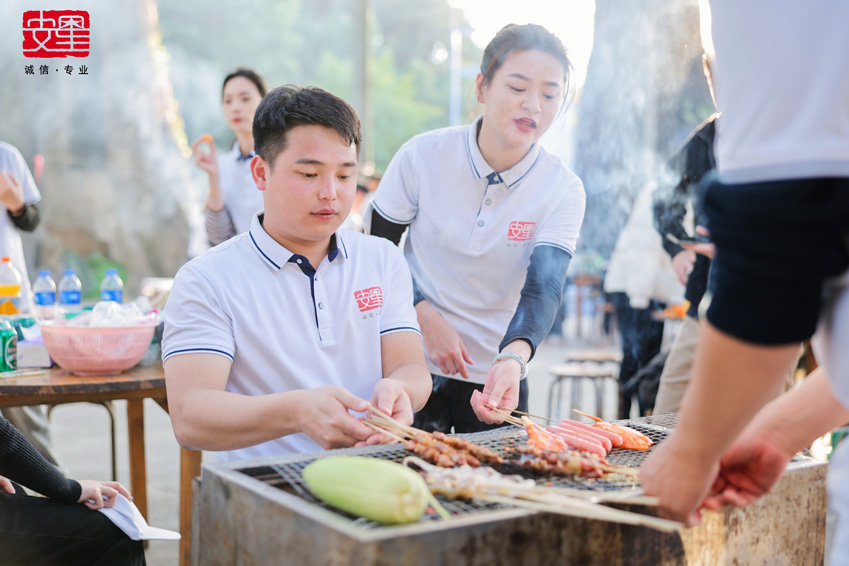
(643, 94)
(115, 181)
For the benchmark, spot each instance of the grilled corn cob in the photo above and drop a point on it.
(379, 490)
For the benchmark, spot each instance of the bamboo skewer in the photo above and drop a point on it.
(591, 511)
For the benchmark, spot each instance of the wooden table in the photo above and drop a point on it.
(135, 385)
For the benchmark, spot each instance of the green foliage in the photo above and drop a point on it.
(290, 41)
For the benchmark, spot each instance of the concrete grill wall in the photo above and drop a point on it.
(247, 522)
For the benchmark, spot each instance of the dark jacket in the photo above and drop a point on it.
(692, 162)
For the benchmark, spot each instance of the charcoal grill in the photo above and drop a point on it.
(261, 512)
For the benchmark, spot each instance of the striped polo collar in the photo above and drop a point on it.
(237, 153)
(276, 255)
(482, 169)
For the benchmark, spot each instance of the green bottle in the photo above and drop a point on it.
(8, 347)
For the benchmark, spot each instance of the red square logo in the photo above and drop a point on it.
(368, 299)
(520, 231)
(56, 33)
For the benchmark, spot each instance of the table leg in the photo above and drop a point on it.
(190, 461)
(138, 463)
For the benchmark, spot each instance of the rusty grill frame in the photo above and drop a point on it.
(286, 474)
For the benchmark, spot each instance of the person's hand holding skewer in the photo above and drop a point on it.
(390, 398)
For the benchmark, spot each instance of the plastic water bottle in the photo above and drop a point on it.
(112, 288)
(44, 293)
(10, 287)
(70, 292)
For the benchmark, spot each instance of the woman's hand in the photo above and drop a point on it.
(97, 494)
(209, 163)
(443, 345)
(204, 160)
(6, 485)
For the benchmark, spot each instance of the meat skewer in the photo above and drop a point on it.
(584, 433)
(615, 439)
(631, 439)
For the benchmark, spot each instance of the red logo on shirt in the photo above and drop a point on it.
(520, 231)
(56, 33)
(368, 299)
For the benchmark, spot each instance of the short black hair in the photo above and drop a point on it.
(249, 74)
(290, 106)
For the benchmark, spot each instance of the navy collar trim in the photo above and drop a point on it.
(276, 255)
(238, 153)
(512, 176)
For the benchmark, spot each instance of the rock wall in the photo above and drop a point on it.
(645, 90)
(116, 181)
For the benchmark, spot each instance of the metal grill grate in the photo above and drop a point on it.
(288, 476)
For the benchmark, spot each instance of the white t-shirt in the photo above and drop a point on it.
(470, 241)
(13, 162)
(250, 301)
(238, 190)
(790, 118)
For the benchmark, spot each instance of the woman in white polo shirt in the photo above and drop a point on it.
(493, 220)
(233, 199)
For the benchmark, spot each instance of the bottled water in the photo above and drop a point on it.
(44, 294)
(70, 292)
(10, 287)
(112, 288)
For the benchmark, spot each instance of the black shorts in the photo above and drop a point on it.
(450, 406)
(776, 244)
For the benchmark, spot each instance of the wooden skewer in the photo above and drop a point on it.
(386, 432)
(506, 416)
(583, 414)
(591, 511)
(534, 416)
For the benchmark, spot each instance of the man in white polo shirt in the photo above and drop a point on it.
(273, 337)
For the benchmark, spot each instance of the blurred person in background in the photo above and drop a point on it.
(777, 213)
(51, 530)
(493, 221)
(19, 196)
(640, 282)
(232, 200)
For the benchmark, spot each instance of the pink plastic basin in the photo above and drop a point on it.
(96, 351)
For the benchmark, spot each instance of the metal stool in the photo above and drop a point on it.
(111, 408)
(599, 356)
(576, 373)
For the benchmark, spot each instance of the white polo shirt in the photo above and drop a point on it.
(286, 326)
(472, 230)
(238, 190)
(798, 129)
(13, 162)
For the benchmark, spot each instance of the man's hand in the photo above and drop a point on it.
(324, 417)
(500, 390)
(707, 249)
(679, 478)
(11, 192)
(6, 485)
(97, 494)
(390, 397)
(443, 345)
(682, 263)
(748, 471)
